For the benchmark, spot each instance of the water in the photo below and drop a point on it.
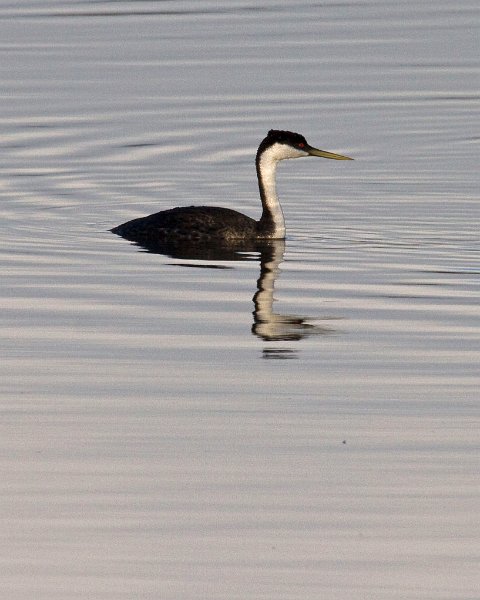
(300, 422)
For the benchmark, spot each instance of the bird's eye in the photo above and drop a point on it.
(301, 145)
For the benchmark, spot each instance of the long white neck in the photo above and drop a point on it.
(272, 222)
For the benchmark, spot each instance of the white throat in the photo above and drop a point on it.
(267, 168)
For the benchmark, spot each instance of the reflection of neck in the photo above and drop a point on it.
(266, 325)
(272, 223)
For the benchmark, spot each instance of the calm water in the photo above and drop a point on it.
(300, 422)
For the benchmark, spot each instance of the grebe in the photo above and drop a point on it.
(211, 223)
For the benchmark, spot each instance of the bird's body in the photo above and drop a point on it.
(209, 223)
(190, 224)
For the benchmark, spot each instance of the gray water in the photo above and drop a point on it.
(297, 423)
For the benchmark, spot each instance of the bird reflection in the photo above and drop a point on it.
(267, 325)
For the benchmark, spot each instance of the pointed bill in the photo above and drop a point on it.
(324, 154)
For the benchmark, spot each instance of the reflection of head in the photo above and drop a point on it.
(268, 325)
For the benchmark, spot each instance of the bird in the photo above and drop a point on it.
(205, 224)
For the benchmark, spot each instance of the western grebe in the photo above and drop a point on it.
(211, 223)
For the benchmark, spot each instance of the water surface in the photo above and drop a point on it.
(295, 421)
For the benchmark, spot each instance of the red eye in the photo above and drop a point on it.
(301, 145)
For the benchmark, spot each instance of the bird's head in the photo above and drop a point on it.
(286, 144)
